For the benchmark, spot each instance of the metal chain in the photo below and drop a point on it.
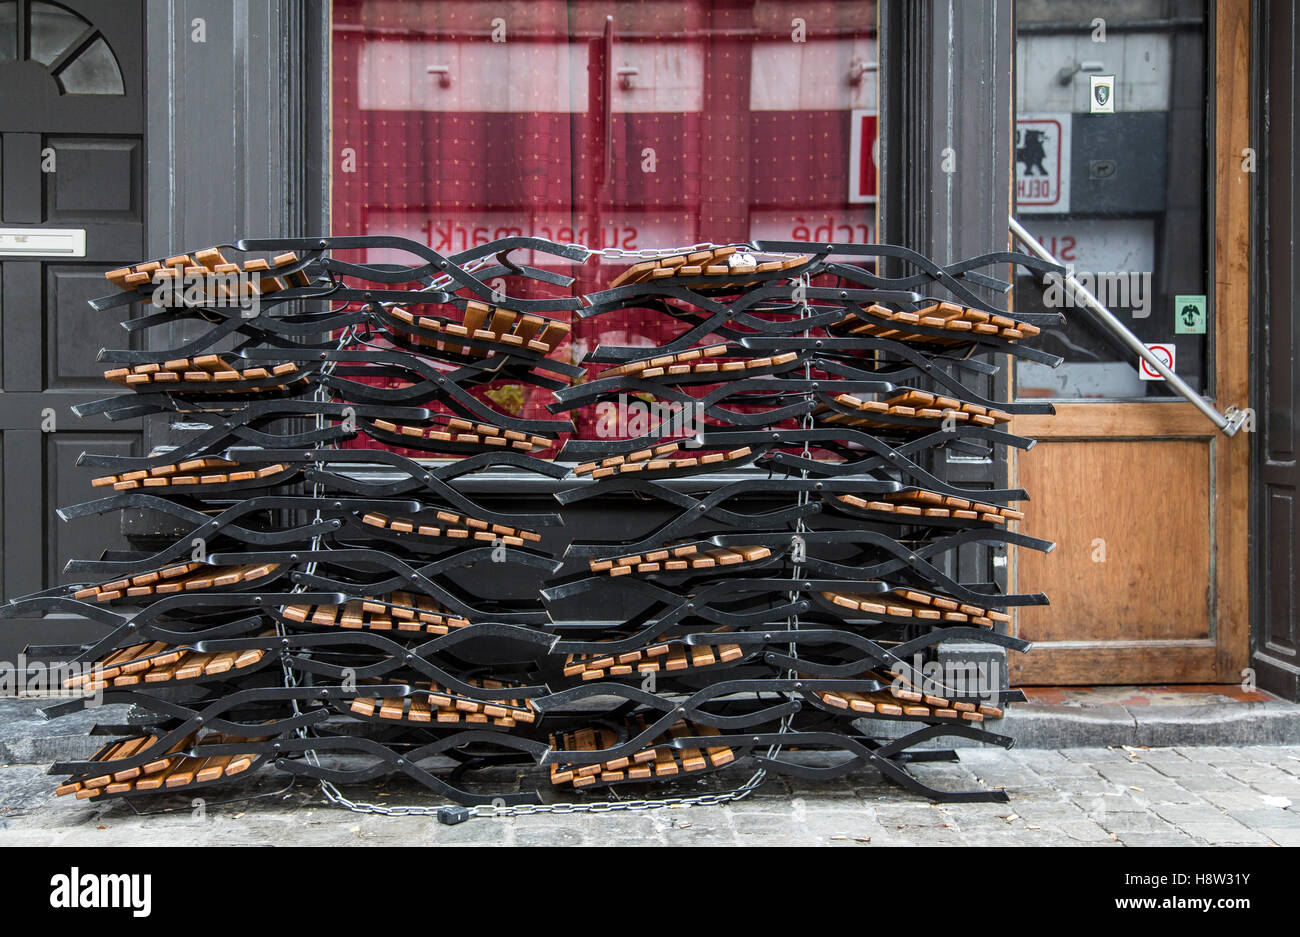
(804, 497)
(651, 253)
(335, 796)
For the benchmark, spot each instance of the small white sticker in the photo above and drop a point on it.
(1101, 99)
(1162, 350)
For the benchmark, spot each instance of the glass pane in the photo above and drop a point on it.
(1115, 188)
(94, 71)
(53, 30)
(718, 127)
(8, 30)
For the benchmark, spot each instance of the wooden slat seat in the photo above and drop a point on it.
(485, 323)
(904, 689)
(615, 463)
(438, 705)
(890, 702)
(449, 525)
(398, 611)
(194, 473)
(654, 460)
(916, 604)
(679, 559)
(689, 357)
(169, 770)
(913, 405)
(463, 433)
(206, 374)
(261, 276)
(666, 656)
(922, 503)
(725, 369)
(157, 663)
(881, 322)
(654, 762)
(728, 264)
(182, 577)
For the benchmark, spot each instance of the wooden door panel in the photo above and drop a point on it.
(1141, 478)
(1132, 569)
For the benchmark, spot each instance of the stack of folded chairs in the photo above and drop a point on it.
(349, 600)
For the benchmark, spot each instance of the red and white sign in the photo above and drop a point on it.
(451, 233)
(1164, 351)
(864, 150)
(1043, 163)
(848, 226)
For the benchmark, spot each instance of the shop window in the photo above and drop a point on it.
(1116, 189)
(616, 125)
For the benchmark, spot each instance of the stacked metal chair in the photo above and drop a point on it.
(770, 610)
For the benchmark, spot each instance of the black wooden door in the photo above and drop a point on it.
(1276, 635)
(71, 158)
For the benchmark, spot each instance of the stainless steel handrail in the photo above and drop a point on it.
(1228, 424)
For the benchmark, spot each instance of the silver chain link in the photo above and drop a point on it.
(804, 497)
(652, 253)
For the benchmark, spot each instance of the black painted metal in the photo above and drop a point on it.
(315, 612)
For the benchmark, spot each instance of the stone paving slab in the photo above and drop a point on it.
(1114, 797)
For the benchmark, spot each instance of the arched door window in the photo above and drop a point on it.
(71, 49)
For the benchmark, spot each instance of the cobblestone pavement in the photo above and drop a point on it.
(1081, 796)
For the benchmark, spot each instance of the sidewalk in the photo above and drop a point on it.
(1079, 775)
(1081, 796)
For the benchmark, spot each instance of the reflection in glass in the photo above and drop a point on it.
(1120, 198)
(8, 30)
(93, 72)
(623, 126)
(53, 29)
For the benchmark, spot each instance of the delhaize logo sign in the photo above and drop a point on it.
(1043, 164)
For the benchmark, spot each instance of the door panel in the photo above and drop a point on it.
(74, 332)
(1131, 576)
(69, 483)
(71, 144)
(98, 187)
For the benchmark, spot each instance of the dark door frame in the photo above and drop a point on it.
(238, 121)
(1275, 392)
